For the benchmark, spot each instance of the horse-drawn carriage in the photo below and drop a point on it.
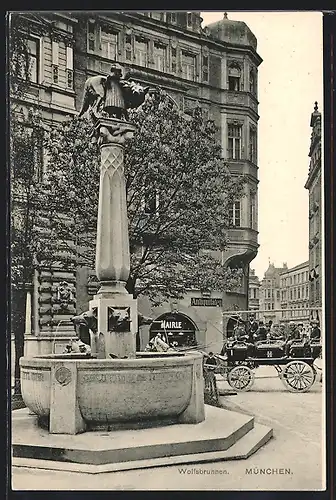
(293, 361)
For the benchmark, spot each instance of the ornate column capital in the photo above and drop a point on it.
(112, 131)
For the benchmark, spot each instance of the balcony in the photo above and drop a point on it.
(244, 235)
(244, 99)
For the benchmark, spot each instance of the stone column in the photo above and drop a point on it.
(116, 309)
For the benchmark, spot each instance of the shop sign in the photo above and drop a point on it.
(206, 302)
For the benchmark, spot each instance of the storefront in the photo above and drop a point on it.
(177, 329)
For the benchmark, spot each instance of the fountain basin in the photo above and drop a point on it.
(102, 391)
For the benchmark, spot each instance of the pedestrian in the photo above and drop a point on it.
(261, 333)
(315, 333)
(252, 327)
(211, 360)
(240, 330)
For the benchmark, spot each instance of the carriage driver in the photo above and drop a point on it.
(293, 336)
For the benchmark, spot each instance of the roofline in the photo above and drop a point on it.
(298, 266)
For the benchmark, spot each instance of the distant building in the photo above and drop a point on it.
(313, 185)
(270, 297)
(294, 292)
(254, 286)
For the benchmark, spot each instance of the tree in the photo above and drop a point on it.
(179, 191)
(25, 207)
(25, 149)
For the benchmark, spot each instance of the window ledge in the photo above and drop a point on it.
(62, 90)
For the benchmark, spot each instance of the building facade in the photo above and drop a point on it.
(294, 293)
(254, 288)
(270, 294)
(313, 184)
(49, 92)
(215, 67)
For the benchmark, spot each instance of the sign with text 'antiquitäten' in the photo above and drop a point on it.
(206, 302)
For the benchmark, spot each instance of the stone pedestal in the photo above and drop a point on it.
(65, 415)
(115, 309)
(113, 338)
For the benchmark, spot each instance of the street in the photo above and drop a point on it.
(292, 460)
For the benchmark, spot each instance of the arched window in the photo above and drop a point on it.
(234, 77)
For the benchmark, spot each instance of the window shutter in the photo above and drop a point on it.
(55, 53)
(69, 58)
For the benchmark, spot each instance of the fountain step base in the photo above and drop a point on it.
(224, 435)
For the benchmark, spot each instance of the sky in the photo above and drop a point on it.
(290, 81)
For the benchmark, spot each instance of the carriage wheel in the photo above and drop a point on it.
(241, 378)
(298, 376)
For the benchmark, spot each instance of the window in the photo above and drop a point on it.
(159, 57)
(268, 293)
(109, 44)
(291, 295)
(128, 47)
(252, 82)
(252, 210)
(91, 36)
(188, 66)
(173, 60)
(307, 291)
(299, 295)
(189, 19)
(69, 67)
(253, 145)
(173, 17)
(157, 15)
(205, 69)
(55, 54)
(234, 77)
(234, 214)
(28, 154)
(234, 142)
(33, 60)
(272, 305)
(141, 52)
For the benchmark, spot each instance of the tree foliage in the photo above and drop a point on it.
(179, 191)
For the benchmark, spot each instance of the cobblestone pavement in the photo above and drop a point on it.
(293, 458)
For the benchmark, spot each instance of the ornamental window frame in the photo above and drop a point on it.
(235, 76)
(185, 65)
(144, 54)
(159, 46)
(109, 36)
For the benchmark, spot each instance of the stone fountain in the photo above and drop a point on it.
(117, 390)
